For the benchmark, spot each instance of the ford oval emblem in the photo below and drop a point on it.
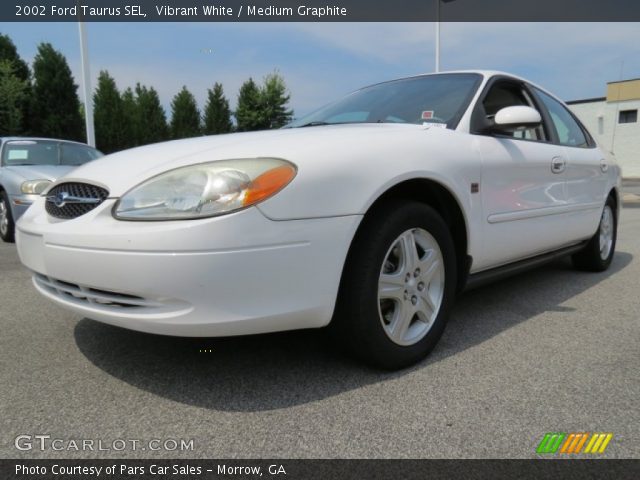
(60, 199)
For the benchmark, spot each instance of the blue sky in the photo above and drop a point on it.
(322, 61)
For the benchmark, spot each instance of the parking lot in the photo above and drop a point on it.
(552, 350)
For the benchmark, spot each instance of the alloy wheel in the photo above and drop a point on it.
(606, 232)
(411, 286)
(4, 218)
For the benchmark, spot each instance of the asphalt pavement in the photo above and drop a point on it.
(552, 350)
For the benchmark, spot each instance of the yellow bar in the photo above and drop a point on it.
(584, 439)
(605, 443)
(591, 442)
(598, 442)
(567, 442)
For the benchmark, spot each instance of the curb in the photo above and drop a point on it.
(630, 198)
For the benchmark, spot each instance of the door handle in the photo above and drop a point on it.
(558, 164)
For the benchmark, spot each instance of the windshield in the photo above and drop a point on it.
(47, 152)
(427, 99)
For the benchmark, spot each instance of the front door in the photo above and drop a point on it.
(523, 184)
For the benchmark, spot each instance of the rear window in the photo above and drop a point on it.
(46, 152)
(27, 152)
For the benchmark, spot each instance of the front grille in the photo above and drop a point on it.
(91, 296)
(72, 199)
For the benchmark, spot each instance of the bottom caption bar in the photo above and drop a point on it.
(319, 469)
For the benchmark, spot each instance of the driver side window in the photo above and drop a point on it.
(507, 94)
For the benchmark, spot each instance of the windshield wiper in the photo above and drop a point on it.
(313, 124)
(321, 123)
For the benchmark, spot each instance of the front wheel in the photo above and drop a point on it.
(397, 287)
(6, 219)
(598, 253)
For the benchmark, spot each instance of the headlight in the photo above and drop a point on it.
(34, 187)
(205, 190)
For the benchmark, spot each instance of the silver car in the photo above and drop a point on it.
(27, 167)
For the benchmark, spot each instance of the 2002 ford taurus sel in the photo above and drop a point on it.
(369, 214)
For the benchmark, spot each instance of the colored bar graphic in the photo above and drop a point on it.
(572, 443)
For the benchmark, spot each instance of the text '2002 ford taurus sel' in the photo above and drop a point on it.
(367, 215)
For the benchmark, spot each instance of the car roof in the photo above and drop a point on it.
(10, 139)
(484, 73)
(487, 74)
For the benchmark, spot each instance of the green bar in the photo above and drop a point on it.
(542, 448)
(550, 443)
(561, 437)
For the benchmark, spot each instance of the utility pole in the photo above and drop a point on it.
(86, 81)
(437, 36)
(438, 6)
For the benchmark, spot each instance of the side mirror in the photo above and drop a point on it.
(510, 119)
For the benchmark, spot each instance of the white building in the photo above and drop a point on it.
(613, 122)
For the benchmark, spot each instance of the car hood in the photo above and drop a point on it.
(330, 144)
(38, 172)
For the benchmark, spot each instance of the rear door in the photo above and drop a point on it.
(586, 176)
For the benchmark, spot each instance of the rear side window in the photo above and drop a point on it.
(569, 131)
(75, 154)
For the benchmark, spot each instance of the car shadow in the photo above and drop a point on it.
(267, 372)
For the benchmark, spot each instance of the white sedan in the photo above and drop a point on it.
(368, 215)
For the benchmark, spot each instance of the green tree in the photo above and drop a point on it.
(130, 132)
(150, 123)
(274, 100)
(249, 113)
(13, 91)
(264, 107)
(185, 117)
(217, 116)
(108, 115)
(20, 70)
(9, 52)
(56, 107)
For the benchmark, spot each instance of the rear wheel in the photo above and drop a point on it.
(397, 287)
(6, 219)
(598, 253)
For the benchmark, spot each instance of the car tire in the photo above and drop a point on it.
(598, 253)
(397, 286)
(7, 227)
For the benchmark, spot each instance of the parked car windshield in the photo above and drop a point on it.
(426, 99)
(47, 152)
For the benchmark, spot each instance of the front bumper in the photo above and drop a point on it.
(231, 275)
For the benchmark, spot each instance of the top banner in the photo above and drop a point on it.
(320, 11)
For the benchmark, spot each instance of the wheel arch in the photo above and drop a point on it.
(444, 201)
(9, 203)
(614, 193)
